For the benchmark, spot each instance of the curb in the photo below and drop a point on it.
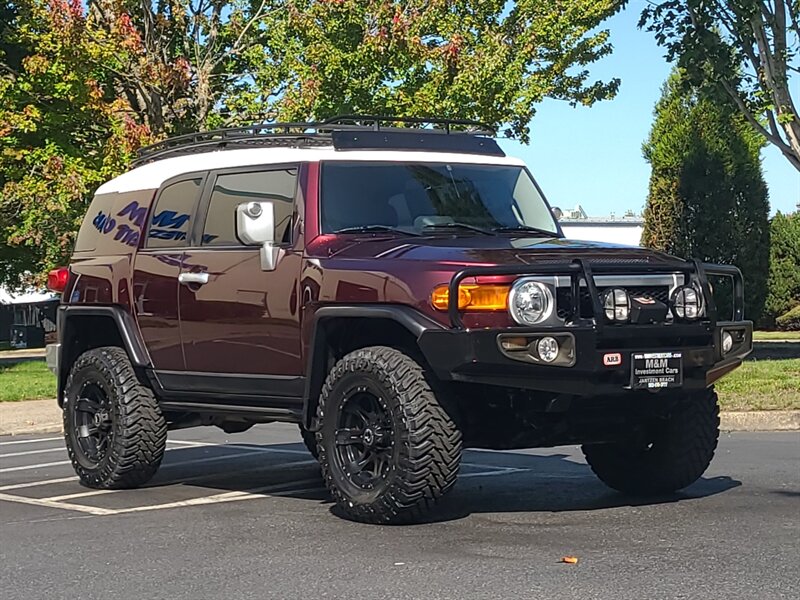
(44, 416)
(760, 420)
(30, 416)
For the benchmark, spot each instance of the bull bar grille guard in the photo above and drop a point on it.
(580, 270)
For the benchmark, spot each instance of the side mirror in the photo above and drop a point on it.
(255, 225)
(255, 222)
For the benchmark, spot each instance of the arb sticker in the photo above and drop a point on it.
(613, 359)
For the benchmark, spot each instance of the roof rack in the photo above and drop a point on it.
(339, 132)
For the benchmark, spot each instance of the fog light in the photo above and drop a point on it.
(727, 342)
(616, 304)
(547, 349)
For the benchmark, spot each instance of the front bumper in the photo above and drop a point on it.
(459, 354)
(475, 356)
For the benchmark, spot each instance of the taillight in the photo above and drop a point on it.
(57, 279)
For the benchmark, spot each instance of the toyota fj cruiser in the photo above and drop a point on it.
(397, 288)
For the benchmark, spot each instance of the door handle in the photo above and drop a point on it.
(193, 278)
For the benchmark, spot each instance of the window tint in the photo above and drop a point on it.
(416, 196)
(232, 190)
(172, 216)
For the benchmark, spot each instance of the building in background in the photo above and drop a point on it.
(27, 319)
(577, 225)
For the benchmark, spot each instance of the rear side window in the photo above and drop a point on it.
(114, 222)
(230, 190)
(98, 220)
(172, 215)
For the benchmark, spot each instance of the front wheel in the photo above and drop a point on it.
(114, 429)
(671, 456)
(388, 450)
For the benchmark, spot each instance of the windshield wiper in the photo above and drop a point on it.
(525, 228)
(444, 226)
(375, 229)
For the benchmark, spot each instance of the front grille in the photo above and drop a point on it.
(564, 298)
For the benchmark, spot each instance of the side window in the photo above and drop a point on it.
(172, 216)
(229, 191)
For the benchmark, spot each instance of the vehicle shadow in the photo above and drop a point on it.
(489, 482)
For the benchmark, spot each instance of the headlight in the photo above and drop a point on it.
(530, 302)
(686, 303)
(616, 305)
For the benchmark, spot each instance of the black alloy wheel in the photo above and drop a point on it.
(93, 423)
(113, 426)
(364, 444)
(388, 449)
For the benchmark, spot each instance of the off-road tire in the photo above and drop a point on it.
(138, 429)
(681, 449)
(426, 451)
(310, 440)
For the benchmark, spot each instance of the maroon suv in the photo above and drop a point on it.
(399, 293)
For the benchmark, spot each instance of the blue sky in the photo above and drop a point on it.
(592, 156)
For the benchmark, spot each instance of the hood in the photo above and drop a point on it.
(486, 250)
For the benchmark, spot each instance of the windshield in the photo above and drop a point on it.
(417, 197)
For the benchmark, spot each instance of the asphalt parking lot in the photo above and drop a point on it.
(246, 516)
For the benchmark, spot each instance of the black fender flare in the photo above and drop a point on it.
(415, 322)
(126, 326)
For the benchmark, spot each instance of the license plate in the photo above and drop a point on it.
(656, 370)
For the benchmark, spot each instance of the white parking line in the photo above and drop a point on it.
(30, 484)
(81, 495)
(39, 466)
(92, 510)
(241, 446)
(494, 471)
(27, 452)
(36, 441)
(183, 480)
(252, 494)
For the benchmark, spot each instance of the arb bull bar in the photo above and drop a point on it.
(580, 270)
(475, 355)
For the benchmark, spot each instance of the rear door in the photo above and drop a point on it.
(241, 325)
(157, 267)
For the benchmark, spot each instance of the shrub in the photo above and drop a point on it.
(784, 267)
(789, 321)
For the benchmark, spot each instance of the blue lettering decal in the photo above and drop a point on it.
(165, 234)
(171, 219)
(134, 212)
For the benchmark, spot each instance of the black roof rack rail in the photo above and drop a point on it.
(330, 132)
(374, 122)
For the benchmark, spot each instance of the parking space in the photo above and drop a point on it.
(246, 516)
(209, 469)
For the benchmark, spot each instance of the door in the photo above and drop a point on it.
(240, 324)
(157, 267)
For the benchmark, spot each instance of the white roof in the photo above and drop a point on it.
(152, 175)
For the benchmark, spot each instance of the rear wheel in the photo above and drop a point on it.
(388, 450)
(115, 432)
(673, 455)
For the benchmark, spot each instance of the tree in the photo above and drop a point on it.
(62, 132)
(784, 266)
(744, 50)
(488, 60)
(707, 196)
(84, 83)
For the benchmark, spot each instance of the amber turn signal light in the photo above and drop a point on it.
(473, 297)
